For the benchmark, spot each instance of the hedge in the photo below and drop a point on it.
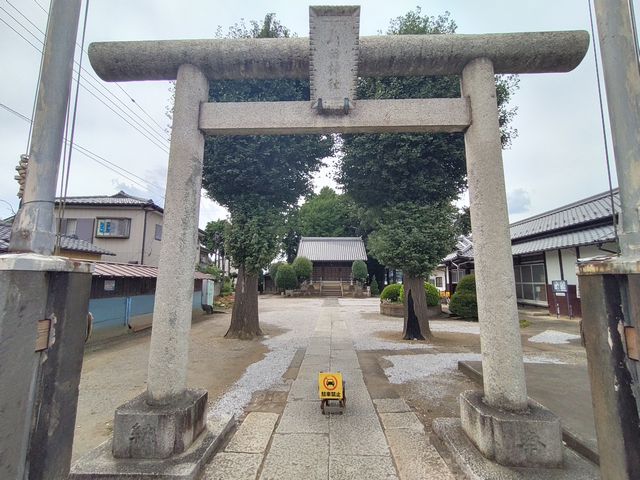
(303, 268)
(286, 277)
(391, 293)
(463, 302)
(432, 293)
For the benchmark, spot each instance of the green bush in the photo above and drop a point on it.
(375, 290)
(391, 293)
(273, 269)
(467, 284)
(303, 268)
(432, 293)
(464, 305)
(227, 288)
(359, 271)
(286, 277)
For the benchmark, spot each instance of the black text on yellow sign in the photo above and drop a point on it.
(330, 386)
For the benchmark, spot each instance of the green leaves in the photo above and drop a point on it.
(413, 237)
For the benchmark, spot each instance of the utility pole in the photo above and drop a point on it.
(43, 299)
(611, 288)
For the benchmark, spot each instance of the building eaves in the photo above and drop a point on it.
(332, 249)
(591, 210)
(107, 269)
(120, 199)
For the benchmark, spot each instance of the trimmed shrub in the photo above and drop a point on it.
(375, 290)
(432, 293)
(463, 302)
(303, 268)
(391, 293)
(464, 305)
(286, 277)
(467, 284)
(359, 271)
(273, 269)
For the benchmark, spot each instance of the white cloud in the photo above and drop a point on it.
(518, 201)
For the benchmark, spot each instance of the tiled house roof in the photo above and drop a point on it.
(585, 222)
(332, 249)
(66, 243)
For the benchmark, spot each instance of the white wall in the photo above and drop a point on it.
(553, 266)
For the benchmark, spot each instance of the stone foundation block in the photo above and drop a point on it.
(528, 439)
(148, 431)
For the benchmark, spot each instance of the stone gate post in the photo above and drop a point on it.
(502, 423)
(167, 375)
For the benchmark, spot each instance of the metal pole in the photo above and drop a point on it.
(33, 228)
(621, 70)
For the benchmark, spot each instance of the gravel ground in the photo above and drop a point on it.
(298, 318)
(553, 337)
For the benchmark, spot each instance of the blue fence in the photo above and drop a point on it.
(117, 312)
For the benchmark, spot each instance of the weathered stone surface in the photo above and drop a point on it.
(296, 456)
(303, 417)
(233, 466)
(532, 439)
(141, 430)
(173, 308)
(254, 433)
(101, 464)
(357, 435)
(380, 56)
(474, 466)
(504, 383)
(406, 420)
(352, 467)
(391, 405)
(415, 457)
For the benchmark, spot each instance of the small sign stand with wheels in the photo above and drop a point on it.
(331, 387)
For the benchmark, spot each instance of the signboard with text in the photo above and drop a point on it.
(559, 286)
(330, 386)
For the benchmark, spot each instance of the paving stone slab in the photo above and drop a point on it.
(296, 456)
(474, 466)
(391, 405)
(357, 435)
(351, 467)
(406, 420)
(100, 463)
(303, 417)
(415, 457)
(254, 433)
(233, 466)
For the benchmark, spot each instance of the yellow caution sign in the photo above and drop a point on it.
(330, 386)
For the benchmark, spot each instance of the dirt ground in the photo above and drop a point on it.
(255, 375)
(115, 371)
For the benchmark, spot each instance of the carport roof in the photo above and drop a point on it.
(332, 249)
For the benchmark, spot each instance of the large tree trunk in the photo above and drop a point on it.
(416, 320)
(244, 316)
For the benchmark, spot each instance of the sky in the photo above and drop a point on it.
(557, 158)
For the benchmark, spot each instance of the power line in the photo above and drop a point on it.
(133, 116)
(99, 159)
(162, 128)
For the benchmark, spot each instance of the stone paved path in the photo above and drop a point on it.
(382, 441)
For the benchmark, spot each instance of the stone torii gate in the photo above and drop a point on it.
(169, 417)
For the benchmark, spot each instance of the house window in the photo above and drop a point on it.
(530, 283)
(81, 228)
(158, 235)
(113, 227)
(68, 226)
(439, 282)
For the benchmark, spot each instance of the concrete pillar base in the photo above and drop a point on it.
(141, 430)
(528, 439)
(467, 462)
(101, 464)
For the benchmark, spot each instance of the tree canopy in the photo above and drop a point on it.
(258, 178)
(413, 237)
(328, 214)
